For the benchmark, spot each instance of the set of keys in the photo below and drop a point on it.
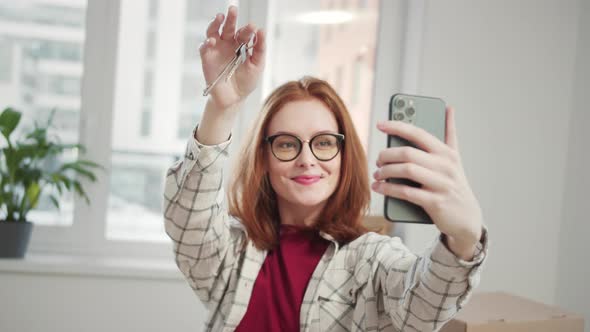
(241, 55)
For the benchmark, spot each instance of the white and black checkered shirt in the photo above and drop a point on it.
(373, 283)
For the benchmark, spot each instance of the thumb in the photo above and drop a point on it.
(451, 129)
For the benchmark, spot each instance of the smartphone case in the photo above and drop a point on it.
(429, 114)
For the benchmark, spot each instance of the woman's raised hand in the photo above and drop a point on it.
(219, 49)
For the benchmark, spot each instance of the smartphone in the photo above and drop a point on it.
(428, 113)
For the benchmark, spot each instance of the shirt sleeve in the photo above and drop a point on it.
(205, 243)
(424, 292)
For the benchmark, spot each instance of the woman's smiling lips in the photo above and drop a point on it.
(306, 179)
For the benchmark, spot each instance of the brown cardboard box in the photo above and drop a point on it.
(503, 312)
(378, 224)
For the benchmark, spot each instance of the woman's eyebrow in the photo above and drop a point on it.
(314, 134)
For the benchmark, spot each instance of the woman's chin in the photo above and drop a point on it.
(307, 201)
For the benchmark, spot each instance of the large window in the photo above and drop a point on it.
(141, 93)
(160, 68)
(41, 65)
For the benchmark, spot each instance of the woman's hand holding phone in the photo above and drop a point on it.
(445, 193)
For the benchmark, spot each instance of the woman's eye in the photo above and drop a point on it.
(324, 144)
(286, 145)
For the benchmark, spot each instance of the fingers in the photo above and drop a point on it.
(229, 33)
(417, 135)
(229, 27)
(213, 28)
(417, 196)
(207, 44)
(245, 33)
(408, 154)
(259, 49)
(416, 173)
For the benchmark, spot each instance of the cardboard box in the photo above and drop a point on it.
(378, 224)
(503, 312)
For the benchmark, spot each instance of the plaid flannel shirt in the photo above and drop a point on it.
(373, 283)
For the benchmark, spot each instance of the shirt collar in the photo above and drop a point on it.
(329, 238)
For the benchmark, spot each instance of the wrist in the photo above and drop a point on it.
(222, 105)
(469, 236)
(464, 246)
(461, 250)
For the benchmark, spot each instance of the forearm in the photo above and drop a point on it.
(205, 244)
(216, 123)
(192, 197)
(439, 279)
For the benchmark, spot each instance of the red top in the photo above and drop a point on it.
(278, 292)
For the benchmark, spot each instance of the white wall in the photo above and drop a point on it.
(50, 302)
(508, 68)
(573, 291)
(517, 74)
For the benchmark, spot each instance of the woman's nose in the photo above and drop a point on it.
(306, 157)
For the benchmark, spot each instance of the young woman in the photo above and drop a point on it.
(290, 253)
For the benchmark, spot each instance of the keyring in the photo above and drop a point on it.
(254, 39)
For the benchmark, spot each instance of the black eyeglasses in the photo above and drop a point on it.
(287, 147)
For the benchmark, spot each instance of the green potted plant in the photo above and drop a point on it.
(25, 173)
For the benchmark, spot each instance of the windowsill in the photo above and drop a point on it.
(87, 266)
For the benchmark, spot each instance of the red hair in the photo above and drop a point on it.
(252, 199)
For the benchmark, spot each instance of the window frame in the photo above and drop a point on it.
(87, 235)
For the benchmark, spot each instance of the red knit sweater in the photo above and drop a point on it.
(281, 283)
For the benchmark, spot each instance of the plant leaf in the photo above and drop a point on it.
(78, 188)
(78, 168)
(33, 193)
(9, 119)
(54, 201)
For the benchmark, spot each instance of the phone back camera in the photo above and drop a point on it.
(398, 116)
(410, 111)
(400, 103)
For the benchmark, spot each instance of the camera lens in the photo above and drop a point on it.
(398, 116)
(410, 111)
(400, 103)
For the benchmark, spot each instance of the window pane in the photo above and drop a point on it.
(159, 101)
(41, 45)
(338, 39)
(146, 123)
(148, 84)
(6, 59)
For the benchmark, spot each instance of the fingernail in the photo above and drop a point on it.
(375, 185)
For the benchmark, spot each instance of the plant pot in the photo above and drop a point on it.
(14, 238)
